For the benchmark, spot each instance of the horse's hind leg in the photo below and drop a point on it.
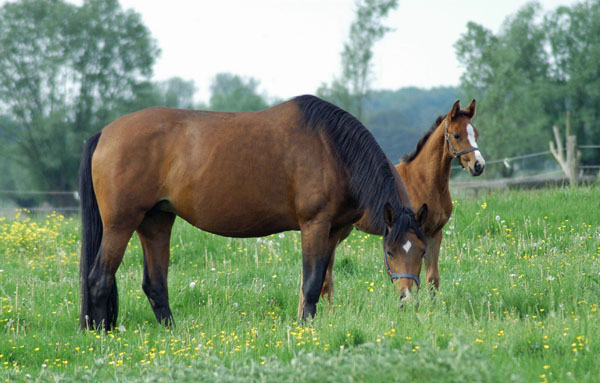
(155, 235)
(102, 284)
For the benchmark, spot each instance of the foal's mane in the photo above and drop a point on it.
(370, 178)
(407, 158)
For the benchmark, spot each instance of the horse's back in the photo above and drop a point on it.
(234, 174)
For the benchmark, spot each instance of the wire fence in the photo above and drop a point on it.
(525, 171)
(544, 170)
(507, 161)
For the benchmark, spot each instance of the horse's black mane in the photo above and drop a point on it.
(369, 175)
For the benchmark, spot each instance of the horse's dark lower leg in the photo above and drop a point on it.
(155, 234)
(104, 303)
(313, 274)
(318, 247)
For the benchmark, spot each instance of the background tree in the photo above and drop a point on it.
(65, 72)
(350, 90)
(177, 93)
(529, 74)
(575, 68)
(231, 93)
(508, 75)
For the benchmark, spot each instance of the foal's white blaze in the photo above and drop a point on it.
(473, 142)
(407, 246)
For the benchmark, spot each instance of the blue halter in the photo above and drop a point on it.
(401, 275)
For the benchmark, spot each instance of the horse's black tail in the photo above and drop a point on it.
(91, 227)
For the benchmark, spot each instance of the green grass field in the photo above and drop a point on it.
(518, 302)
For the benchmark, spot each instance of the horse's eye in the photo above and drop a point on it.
(456, 136)
(389, 254)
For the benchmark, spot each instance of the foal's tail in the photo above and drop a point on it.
(91, 227)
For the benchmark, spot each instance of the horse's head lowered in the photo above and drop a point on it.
(404, 255)
(461, 138)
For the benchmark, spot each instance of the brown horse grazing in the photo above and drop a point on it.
(302, 165)
(426, 174)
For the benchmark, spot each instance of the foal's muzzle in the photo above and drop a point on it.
(477, 169)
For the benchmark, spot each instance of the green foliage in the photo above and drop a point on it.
(231, 93)
(526, 77)
(518, 299)
(177, 93)
(573, 35)
(350, 90)
(65, 72)
(398, 119)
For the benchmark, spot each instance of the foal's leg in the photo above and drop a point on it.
(327, 290)
(432, 254)
(104, 302)
(155, 235)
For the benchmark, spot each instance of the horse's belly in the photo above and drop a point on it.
(235, 214)
(240, 224)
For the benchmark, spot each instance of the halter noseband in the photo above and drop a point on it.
(401, 275)
(451, 149)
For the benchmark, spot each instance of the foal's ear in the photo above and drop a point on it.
(455, 109)
(388, 214)
(422, 214)
(471, 109)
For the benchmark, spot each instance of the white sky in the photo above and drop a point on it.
(293, 46)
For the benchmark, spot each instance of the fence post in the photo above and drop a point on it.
(568, 164)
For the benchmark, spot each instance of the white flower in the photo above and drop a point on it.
(513, 275)
(497, 218)
(281, 235)
(550, 278)
(212, 269)
(121, 328)
(192, 285)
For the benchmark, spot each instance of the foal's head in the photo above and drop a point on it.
(461, 138)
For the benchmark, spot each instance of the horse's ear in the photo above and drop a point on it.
(388, 214)
(422, 214)
(471, 109)
(455, 109)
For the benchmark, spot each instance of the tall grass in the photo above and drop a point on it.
(518, 301)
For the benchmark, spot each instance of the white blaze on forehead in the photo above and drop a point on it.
(473, 142)
(407, 246)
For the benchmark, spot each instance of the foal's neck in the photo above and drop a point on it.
(435, 158)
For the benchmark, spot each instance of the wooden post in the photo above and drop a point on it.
(567, 163)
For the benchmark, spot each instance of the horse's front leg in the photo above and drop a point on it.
(318, 246)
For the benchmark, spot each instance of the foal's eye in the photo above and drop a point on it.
(389, 254)
(456, 136)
